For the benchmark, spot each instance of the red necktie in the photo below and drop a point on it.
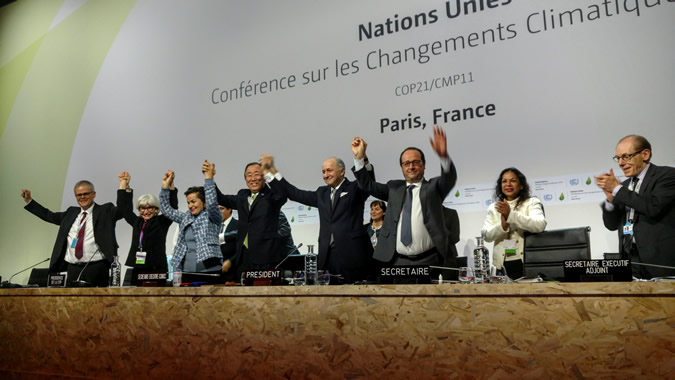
(79, 246)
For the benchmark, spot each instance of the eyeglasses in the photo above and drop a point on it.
(147, 208)
(411, 163)
(626, 157)
(83, 195)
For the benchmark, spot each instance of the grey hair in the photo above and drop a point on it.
(147, 199)
(340, 163)
(84, 182)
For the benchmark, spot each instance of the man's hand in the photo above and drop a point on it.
(607, 182)
(124, 178)
(267, 164)
(25, 194)
(226, 266)
(439, 142)
(359, 148)
(167, 181)
(209, 169)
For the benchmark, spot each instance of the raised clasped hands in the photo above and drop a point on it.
(124, 178)
(267, 163)
(359, 148)
(209, 169)
(167, 180)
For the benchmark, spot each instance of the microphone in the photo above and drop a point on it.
(9, 284)
(289, 255)
(501, 197)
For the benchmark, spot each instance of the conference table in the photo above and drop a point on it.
(541, 330)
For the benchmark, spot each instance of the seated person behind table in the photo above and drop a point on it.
(197, 248)
(148, 238)
(513, 213)
(377, 211)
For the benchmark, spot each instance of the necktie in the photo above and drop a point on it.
(332, 198)
(79, 246)
(252, 200)
(627, 240)
(406, 216)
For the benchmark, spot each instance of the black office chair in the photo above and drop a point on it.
(546, 251)
(38, 276)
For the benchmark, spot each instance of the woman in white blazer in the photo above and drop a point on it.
(513, 212)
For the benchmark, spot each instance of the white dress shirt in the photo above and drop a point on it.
(90, 250)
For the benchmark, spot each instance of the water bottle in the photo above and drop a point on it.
(311, 274)
(481, 261)
(115, 273)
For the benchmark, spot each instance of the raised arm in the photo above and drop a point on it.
(209, 170)
(38, 210)
(280, 185)
(125, 199)
(363, 176)
(164, 203)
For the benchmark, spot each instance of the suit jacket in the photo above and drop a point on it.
(154, 232)
(229, 248)
(205, 226)
(432, 195)
(654, 228)
(344, 221)
(260, 222)
(452, 228)
(104, 217)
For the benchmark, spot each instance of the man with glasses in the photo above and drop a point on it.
(413, 231)
(86, 236)
(642, 208)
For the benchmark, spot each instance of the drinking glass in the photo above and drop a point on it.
(323, 277)
(465, 275)
(299, 278)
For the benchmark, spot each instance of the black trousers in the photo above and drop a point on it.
(97, 273)
(514, 269)
(639, 271)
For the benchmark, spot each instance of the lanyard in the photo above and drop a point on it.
(140, 238)
(634, 186)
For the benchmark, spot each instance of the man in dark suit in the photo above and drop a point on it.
(642, 209)
(452, 228)
(228, 239)
(228, 233)
(413, 231)
(344, 245)
(86, 235)
(259, 245)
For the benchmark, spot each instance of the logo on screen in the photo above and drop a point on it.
(574, 181)
(488, 202)
(301, 208)
(548, 197)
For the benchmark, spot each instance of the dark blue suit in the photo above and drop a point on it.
(351, 252)
(432, 195)
(654, 228)
(261, 223)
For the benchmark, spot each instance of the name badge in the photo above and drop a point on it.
(140, 257)
(510, 247)
(74, 243)
(628, 229)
